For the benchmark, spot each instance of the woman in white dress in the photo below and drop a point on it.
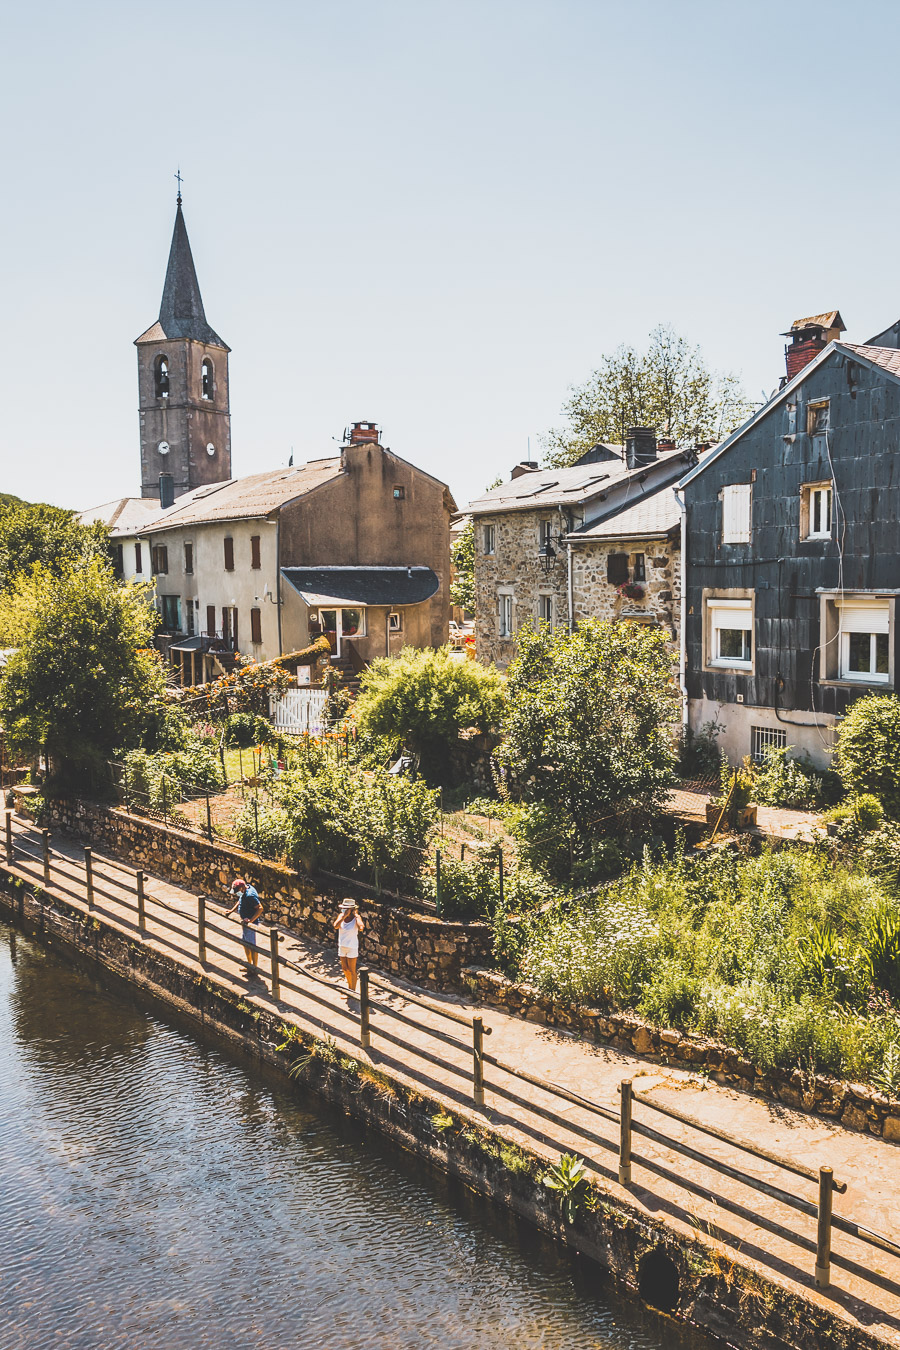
(349, 926)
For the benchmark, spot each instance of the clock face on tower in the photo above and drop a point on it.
(210, 449)
(163, 447)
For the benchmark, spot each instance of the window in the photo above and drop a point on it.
(639, 568)
(230, 626)
(736, 514)
(505, 604)
(617, 568)
(161, 377)
(256, 625)
(229, 553)
(395, 623)
(353, 623)
(171, 612)
(210, 621)
(815, 511)
(206, 379)
(730, 634)
(864, 649)
(159, 559)
(487, 538)
(545, 609)
(190, 619)
(763, 738)
(254, 551)
(399, 493)
(545, 534)
(189, 558)
(817, 418)
(138, 559)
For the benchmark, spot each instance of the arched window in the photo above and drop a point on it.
(206, 379)
(162, 377)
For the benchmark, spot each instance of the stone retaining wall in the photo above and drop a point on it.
(420, 947)
(855, 1105)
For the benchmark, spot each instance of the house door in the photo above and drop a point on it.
(330, 621)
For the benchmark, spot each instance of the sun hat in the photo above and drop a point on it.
(348, 904)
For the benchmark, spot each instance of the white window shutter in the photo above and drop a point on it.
(736, 514)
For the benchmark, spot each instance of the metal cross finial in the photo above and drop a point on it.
(178, 176)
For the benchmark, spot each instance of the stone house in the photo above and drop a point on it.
(598, 539)
(355, 546)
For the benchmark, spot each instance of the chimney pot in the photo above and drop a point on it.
(524, 466)
(362, 433)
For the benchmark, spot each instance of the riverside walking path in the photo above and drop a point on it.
(428, 1053)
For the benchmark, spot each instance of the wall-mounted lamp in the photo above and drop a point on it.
(546, 557)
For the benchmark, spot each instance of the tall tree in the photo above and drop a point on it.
(668, 387)
(462, 555)
(37, 533)
(84, 679)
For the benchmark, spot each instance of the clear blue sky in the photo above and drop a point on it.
(434, 215)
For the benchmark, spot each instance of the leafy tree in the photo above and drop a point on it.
(424, 699)
(588, 724)
(462, 555)
(868, 749)
(669, 387)
(45, 535)
(84, 678)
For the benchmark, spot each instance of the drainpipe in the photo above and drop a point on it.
(682, 644)
(278, 580)
(570, 590)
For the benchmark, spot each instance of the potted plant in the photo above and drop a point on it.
(631, 590)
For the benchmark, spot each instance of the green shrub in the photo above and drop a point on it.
(470, 889)
(160, 780)
(868, 749)
(246, 728)
(699, 755)
(882, 946)
(782, 781)
(265, 831)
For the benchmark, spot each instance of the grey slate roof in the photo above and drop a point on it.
(181, 313)
(362, 585)
(244, 498)
(653, 517)
(552, 487)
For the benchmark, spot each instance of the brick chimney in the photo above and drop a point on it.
(640, 446)
(524, 466)
(362, 433)
(810, 336)
(666, 446)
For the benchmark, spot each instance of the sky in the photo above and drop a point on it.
(437, 217)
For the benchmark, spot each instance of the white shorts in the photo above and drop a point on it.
(349, 952)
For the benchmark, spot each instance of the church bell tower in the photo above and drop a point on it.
(183, 386)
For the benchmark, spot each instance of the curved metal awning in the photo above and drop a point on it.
(337, 587)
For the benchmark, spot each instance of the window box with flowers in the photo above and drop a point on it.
(631, 590)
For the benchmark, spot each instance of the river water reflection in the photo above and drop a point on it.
(157, 1193)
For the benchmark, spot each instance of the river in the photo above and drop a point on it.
(159, 1192)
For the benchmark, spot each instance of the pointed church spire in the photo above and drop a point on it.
(181, 311)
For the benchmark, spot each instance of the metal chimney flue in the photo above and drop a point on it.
(640, 446)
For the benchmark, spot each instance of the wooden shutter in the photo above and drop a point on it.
(234, 632)
(138, 560)
(255, 625)
(210, 621)
(189, 557)
(229, 554)
(616, 568)
(736, 514)
(254, 551)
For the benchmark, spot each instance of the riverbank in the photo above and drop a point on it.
(708, 1283)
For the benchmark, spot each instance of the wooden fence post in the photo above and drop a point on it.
(201, 929)
(500, 873)
(365, 1035)
(273, 954)
(89, 875)
(208, 818)
(437, 880)
(45, 841)
(823, 1235)
(9, 842)
(142, 916)
(256, 824)
(479, 1031)
(626, 1094)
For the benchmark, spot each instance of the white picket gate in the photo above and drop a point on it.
(300, 711)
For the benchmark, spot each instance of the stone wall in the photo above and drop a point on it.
(514, 566)
(857, 1106)
(418, 946)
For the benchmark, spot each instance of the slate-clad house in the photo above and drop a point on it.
(791, 564)
(598, 539)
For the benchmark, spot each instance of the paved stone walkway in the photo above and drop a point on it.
(428, 1051)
